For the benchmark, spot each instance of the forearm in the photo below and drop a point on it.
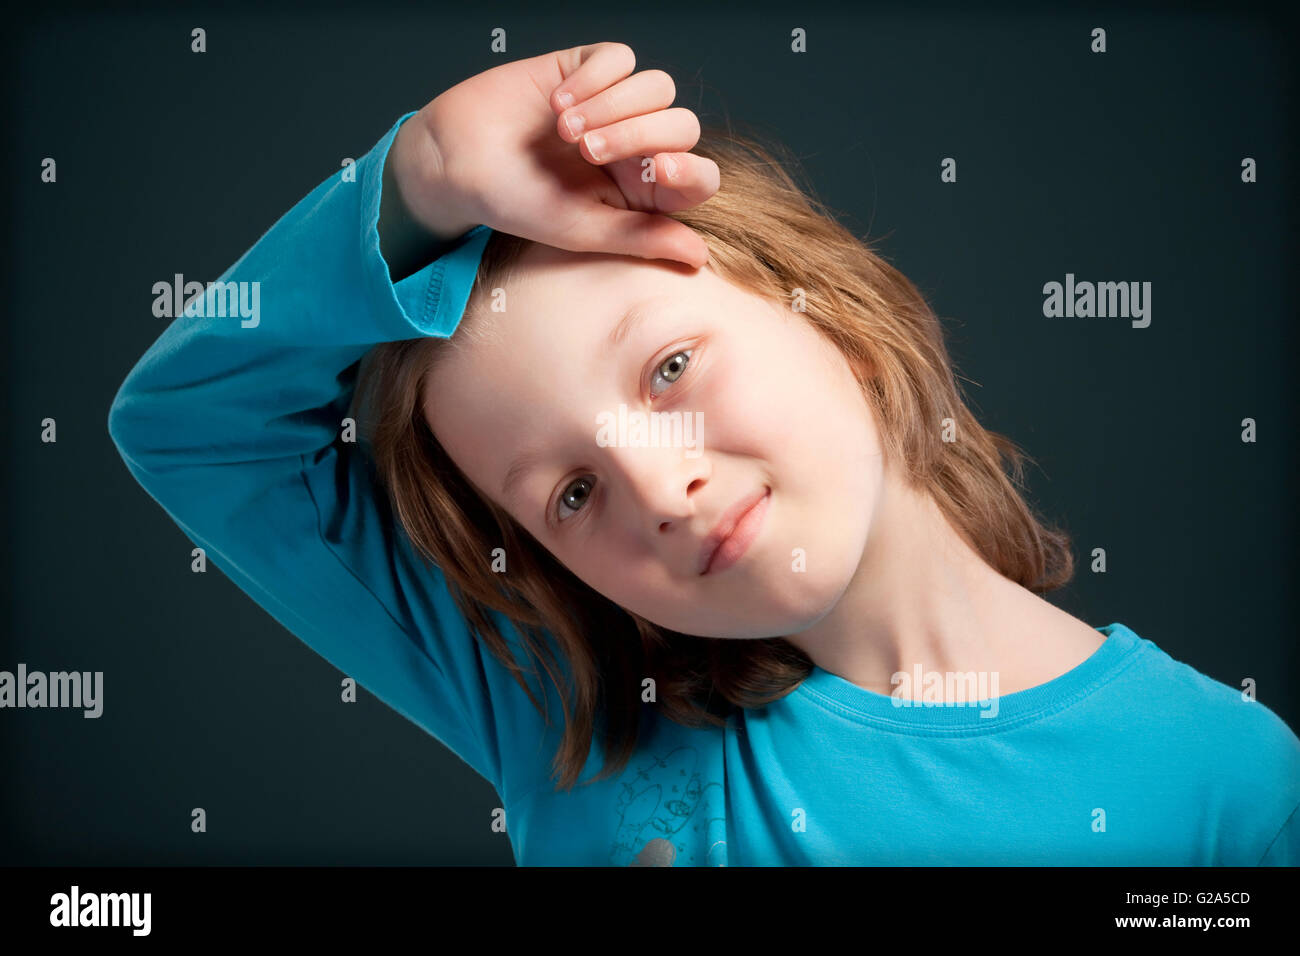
(216, 389)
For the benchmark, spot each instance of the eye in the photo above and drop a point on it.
(672, 368)
(575, 495)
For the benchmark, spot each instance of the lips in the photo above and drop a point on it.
(726, 525)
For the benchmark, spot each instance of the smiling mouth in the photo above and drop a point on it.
(733, 535)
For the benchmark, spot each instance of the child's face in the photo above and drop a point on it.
(764, 401)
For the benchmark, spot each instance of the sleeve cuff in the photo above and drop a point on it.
(432, 300)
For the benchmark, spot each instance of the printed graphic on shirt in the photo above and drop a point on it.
(668, 815)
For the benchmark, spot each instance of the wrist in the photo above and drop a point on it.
(423, 195)
(405, 242)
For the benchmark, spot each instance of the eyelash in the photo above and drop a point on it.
(563, 491)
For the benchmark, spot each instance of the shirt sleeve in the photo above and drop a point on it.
(1285, 848)
(232, 422)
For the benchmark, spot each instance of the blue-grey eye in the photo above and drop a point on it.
(577, 492)
(672, 368)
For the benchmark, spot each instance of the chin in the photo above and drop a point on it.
(720, 623)
(806, 598)
(777, 614)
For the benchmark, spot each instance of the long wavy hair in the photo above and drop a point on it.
(768, 235)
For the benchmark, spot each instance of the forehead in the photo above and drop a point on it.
(554, 301)
(542, 328)
(585, 281)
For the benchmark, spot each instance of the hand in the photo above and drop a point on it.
(497, 150)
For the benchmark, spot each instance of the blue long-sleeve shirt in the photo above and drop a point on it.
(231, 422)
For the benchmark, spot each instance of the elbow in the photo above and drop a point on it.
(124, 426)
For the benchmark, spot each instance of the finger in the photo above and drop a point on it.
(644, 92)
(644, 235)
(672, 130)
(693, 180)
(589, 69)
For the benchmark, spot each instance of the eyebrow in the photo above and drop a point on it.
(528, 459)
(523, 464)
(635, 316)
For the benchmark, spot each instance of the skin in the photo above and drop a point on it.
(887, 582)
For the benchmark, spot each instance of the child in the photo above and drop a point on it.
(726, 497)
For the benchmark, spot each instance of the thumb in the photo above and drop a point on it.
(645, 235)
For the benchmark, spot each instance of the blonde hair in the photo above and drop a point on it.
(769, 236)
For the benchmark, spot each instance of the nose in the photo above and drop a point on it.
(661, 483)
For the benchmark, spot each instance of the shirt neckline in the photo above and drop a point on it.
(857, 703)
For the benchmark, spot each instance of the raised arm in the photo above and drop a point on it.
(232, 423)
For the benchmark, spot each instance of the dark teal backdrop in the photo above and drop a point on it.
(1122, 166)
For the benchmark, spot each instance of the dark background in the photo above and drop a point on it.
(1123, 166)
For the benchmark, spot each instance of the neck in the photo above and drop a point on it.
(923, 597)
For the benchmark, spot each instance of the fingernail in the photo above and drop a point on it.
(565, 100)
(596, 146)
(670, 167)
(575, 123)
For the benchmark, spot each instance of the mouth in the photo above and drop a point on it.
(734, 532)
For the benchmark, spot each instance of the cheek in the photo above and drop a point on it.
(792, 401)
(835, 426)
(616, 574)
(640, 592)
(830, 464)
